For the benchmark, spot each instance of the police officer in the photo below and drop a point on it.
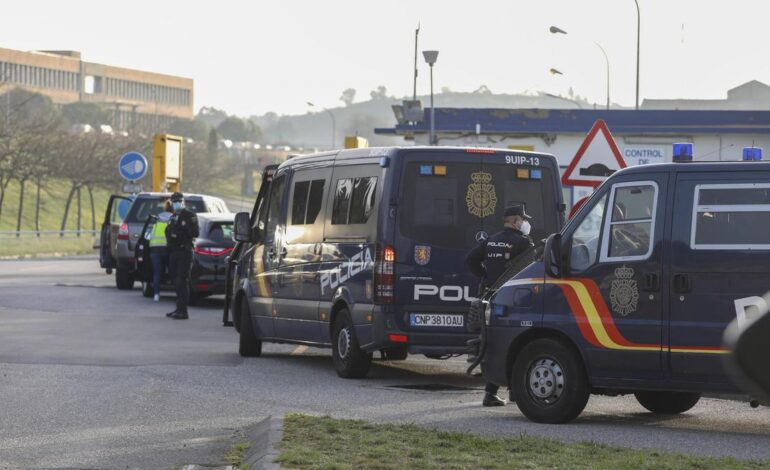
(158, 248)
(490, 258)
(180, 233)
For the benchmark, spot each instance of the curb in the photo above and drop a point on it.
(264, 437)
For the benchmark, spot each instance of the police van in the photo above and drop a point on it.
(634, 294)
(362, 250)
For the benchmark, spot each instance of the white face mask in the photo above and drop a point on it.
(525, 227)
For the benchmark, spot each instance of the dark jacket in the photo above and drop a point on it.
(490, 258)
(181, 230)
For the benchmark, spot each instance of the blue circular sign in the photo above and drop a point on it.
(132, 166)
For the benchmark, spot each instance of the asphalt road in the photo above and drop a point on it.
(95, 377)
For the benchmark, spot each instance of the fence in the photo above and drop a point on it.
(13, 234)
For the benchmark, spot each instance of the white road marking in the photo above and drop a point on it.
(299, 350)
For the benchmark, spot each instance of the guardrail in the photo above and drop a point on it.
(14, 234)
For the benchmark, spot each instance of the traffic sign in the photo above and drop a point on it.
(132, 166)
(595, 160)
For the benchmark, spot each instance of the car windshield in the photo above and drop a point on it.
(145, 207)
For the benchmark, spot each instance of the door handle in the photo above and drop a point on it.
(271, 253)
(284, 252)
(651, 282)
(682, 283)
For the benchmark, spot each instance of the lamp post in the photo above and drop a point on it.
(556, 30)
(638, 33)
(430, 58)
(334, 124)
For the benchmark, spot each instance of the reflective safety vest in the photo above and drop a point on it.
(158, 233)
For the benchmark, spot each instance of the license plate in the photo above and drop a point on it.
(436, 319)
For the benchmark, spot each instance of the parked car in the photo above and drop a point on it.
(123, 222)
(210, 251)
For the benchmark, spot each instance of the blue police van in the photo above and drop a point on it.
(362, 250)
(634, 294)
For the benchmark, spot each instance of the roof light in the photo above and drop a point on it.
(522, 173)
(536, 174)
(426, 170)
(439, 170)
(752, 153)
(479, 150)
(683, 152)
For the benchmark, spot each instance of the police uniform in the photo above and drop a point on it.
(180, 233)
(489, 260)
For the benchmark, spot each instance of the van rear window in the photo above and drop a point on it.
(450, 207)
(353, 200)
(731, 217)
(145, 207)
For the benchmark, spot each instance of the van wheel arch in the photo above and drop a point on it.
(537, 333)
(235, 307)
(336, 308)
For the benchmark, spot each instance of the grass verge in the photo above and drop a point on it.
(235, 455)
(49, 245)
(327, 443)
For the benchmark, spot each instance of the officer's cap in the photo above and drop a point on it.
(518, 209)
(177, 196)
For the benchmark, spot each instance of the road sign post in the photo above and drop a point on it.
(132, 167)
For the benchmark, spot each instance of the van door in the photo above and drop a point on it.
(109, 232)
(720, 266)
(614, 290)
(298, 291)
(266, 257)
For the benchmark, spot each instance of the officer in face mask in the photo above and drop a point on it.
(490, 258)
(180, 233)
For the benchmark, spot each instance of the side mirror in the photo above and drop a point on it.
(242, 227)
(552, 255)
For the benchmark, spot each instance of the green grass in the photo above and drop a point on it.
(49, 245)
(327, 443)
(235, 455)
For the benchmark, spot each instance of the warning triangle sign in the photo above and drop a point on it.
(597, 158)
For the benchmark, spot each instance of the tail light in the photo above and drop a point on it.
(385, 276)
(123, 231)
(212, 250)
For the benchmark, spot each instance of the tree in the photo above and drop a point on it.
(348, 95)
(196, 129)
(211, 116)
(82, 112)
(381, 93)
(238, 130)
(213, 144)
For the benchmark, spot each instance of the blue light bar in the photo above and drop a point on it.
(426, 169)
(752, 153)
(683, 152)
(536, 174)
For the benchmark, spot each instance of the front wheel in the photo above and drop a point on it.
(350, 361)
(667, 403)
(249, 345)
(549, 382)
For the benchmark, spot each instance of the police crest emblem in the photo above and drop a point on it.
(624, 293)
(422, 254)
(481, 197)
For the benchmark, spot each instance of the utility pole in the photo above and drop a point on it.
(416, 37)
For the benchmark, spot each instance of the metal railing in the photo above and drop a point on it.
(14, 234)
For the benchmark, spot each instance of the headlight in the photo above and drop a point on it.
(487, 312)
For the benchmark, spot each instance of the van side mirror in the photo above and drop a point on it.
(242, 227)
(552, 260)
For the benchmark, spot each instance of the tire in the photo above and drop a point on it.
(248, 343)
(667, 403)
(549, 382)
(350, 361)
(394, 354)
(147, 290)
(124, 279)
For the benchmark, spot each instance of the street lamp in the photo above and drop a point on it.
(638, 32)
(556, 30)
(430, 58)
(334, 124)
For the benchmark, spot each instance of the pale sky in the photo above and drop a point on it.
(250, 57)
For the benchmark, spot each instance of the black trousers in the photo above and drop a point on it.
(491, 388)
(179, 263)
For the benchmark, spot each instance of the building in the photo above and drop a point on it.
(643, 136)
(134, 99)
(753, 95)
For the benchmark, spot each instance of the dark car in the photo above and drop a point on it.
(210, 251)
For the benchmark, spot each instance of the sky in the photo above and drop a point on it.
(252, 57)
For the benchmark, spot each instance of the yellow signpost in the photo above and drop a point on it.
(166, 163)
(355, 142)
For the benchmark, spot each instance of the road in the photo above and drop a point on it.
(95, 377)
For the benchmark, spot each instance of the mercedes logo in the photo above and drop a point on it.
(481, 236)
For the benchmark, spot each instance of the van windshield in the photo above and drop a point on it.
(448, 204)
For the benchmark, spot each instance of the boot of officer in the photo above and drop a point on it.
(490, 258)
(180, 234)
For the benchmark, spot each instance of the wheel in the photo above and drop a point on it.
(394, 354)
(147, 290)
(549, 382)
(124, 279)
(349, 360)
(248, 343)
(669, 403)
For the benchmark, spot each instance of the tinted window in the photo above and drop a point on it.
(274, 207)
(354, 200)
(449, 209)
(307, 201)
(220, 232)
(732, 217)
(145, 207)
